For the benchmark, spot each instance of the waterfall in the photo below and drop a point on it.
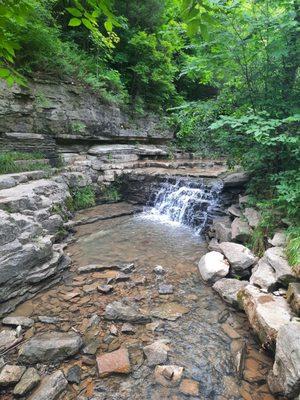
(186, 202)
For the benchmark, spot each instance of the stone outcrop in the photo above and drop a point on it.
(212, 266)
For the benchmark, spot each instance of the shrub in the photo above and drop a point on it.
(83, 198)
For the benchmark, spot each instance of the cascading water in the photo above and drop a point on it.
(186, 202)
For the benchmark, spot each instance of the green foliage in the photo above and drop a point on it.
(83, 198)
(77, 127)
(111, 193)
(10, 162)
(293, 247)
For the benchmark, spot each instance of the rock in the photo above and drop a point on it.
(29, 380)
(222, 228)
(230, 331)
(189, 387)
(127, 268)
(284, 379)
(228, 290)
(170, 311)
(124, 313)
(51, 387)
(11, 374)
(236, 179)
(253, 216)
(278, 240)
(50, 347)
(7, 338)
(263, 275)
(128, 329)
(115, 362)
(239, 257)
(121, 277)
(240, 230)
(49, 320)
(105, 289)
(266, 313)
(212, 266)
(113, 330)
(213, 245)
(165, 289)
(95, 268)
(16, 321)
(276, 258)
(159, 270)
(235, 210)
(157, 352)
(73, 374)
(168, 375)
(243, 200)
(293, 297)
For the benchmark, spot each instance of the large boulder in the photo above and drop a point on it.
(263, 275)
(222, 229)
(266, 313)
(50, 347)
(276, 258)
(51, 387)
(228, 290)
(284, 379)
(212, 266)
(240, 230)
(240, 257)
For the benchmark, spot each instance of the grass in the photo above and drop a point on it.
(9, 164)
(293, 248)
(83, 198)
(111, 194)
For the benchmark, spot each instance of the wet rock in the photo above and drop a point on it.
(278, 240)
(235, 210)
(239, 257)
(50, 347)
(168, 375)
(159, 270)
(11, 374)
(120, 312)
(230, 331)
(51, 387)
(266, 313)
(228, 290)
(240, 230)
(293, 297)
(73, 374)
(127, 268)
(95, 268)
(170, 311)
(253, 216)
(105, 289)
(285, 377)
(16, 321)
(165, 289)
(212, 266)
(189, 387)
(157, 352)
(114, 362)
(7, 338)
(222, 228)
(236, 179)
(263, 275)
(128, 329)
(276, 258)
(29, 380)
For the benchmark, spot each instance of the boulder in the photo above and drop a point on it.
(236, 179)
(266, 313)
(125, 313)
(29, 380)
(284, 379)
(51, 387)
(293, 297)
(222, 228)
(115, 362)
(11, 374)
(235, 210)
(240, 230)
(157, 352)
(240, 257)
(50, 347)
(276, 258)
(263, 275)
(212, 266)
(228, 290)
(252, 216)
(213, 245)
(278, 240)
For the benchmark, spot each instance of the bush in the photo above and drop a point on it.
(83, 198)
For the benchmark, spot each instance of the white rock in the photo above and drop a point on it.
(263, 275)
(277, 259)
(240, 230)
(212, 266)
(239, 256)
(278, 240)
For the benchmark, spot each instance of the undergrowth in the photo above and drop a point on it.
(82, 198)
(9, 162)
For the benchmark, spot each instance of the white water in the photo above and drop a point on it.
(185, 202)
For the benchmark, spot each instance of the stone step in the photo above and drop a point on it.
(10, 180)
(142, 150)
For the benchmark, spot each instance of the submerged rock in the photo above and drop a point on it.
(29, 380)
(284, 378)
(239, 257)
(168, 375)
(170, 311)
(212, 266)
(165, 289)
(228, 290)
(157, 352)
(51, 387)
(115, 362)
(120, 312)
(50, 347)
(11, 374)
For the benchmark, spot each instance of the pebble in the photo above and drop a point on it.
(73, 374)
(159, 270)
(165, 289)
(105, 289)
(168, 375)
(113, 330)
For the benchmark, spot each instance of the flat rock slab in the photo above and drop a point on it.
(118, 311)
(11, 374)
(96, 268)
(16, 321)
(51, 387)
(50, 347)
(170, 311)
(263, 275)
(29, 380)
(114, 362)
(228, 290)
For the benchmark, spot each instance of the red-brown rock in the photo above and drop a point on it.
(114, 362)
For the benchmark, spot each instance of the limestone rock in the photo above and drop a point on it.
(115, 362)
(239, 257)
(51, 387)
(240, 230)
(293, 297)
(120, 312)
(15, 321)
(50, 347)
(266, 313)
(168, 375)
(263, 275)
(157, 352)
(228, 290)
(236, 179)
(284, 379)
(212, 266)
(222, 228)
(253, 216)
(11, 374)
(28, 381)
(278, 240)
(277, 259)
